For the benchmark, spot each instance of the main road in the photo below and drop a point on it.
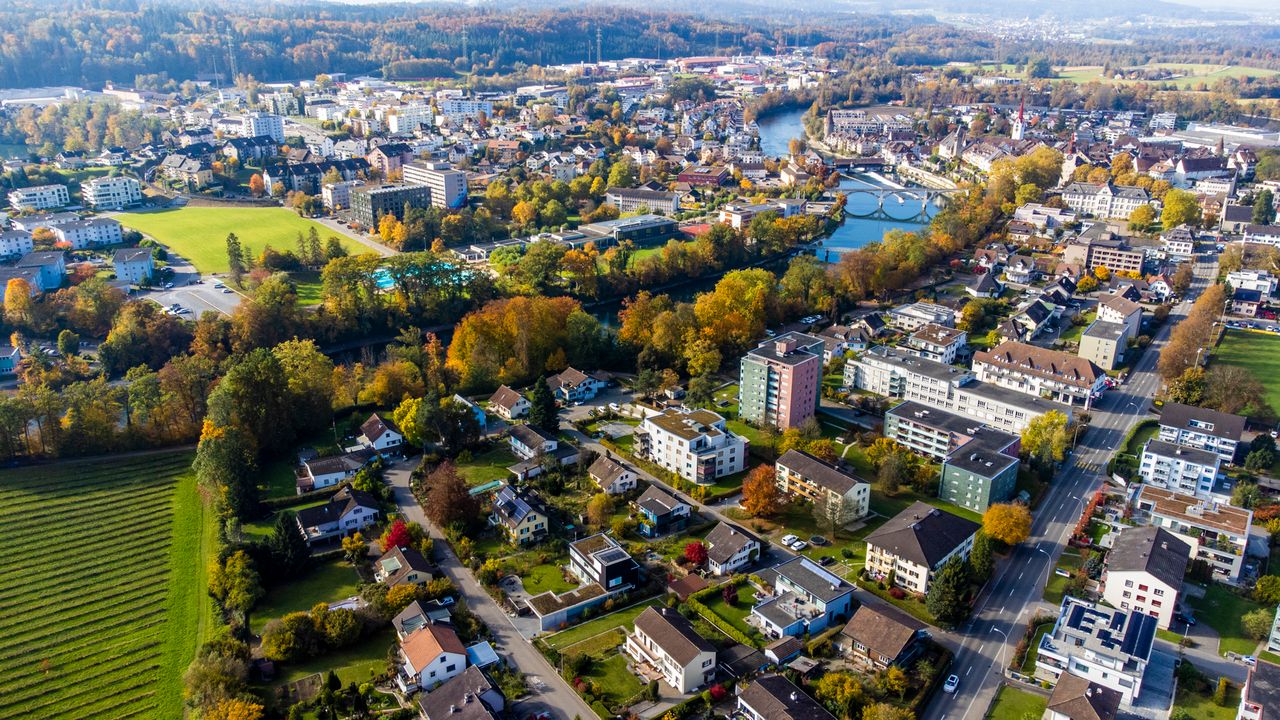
(984, 645)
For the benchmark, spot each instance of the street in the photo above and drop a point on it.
(985, 644)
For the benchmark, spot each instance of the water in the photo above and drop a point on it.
(777, 129)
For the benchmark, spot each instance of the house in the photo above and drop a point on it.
(916, 543)
(1020, 269)
(842, 496)
(613, 477)
(913, 316)
(1180, 468)
(774, 697)
(937, 342)
(323, 472)
(535, 447)
(660, 513)
(730, 549)
(1107, 646)
(508, 404)
(429, 656)
(1259, 280)
(601, 560)
(133, 265)
(380, 435)
(1075, 698)
(876, 638)
(1217, 533)
(807, 599)
(403, 566)
(1144, 572)
(984, 285)
(1245, 303)
(417, 614)
(477, 412)
(667, 643)
(574, 385)
(191, 172)
(1115, 308)
(694, 444)
(519, 515)
(1197, 427)
(1273, 641)
(10, 356)
(470, 695)
(1179, 243)
(840, 339)
(1260, 699)
(1040, 372)
(346, 512)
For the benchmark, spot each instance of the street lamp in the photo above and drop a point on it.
(1003, 645)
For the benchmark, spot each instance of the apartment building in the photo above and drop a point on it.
(448, 186)
(260, 123)
(982, 471)
(1107, 646)
(1104, 344)
(666, 642)
(463, 108)
(841, 495)
(1201, 428)
(408, 118)
(39, 197)
(133, 265)
(94, 232)
(1258, 280)
(111, 193)
(807, 599)
(369, 204)
(694, 444)
(1179, 468)
(15, 242)
(632, 199)
(1097, 246)
(780, 380)
(937, 342)
(1144, 572)
(1041, 372)
(1179, 243)
(1260, 699)
(1105, 200)
(916, 543)
(913, 316)
(1216, 532)
(337, 195)
(50, 266)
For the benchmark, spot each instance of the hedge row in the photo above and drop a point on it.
(695, 603)
(294, 500)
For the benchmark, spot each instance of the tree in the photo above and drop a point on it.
(19, 308)
(947, 598)
(542, 407)
(1087, 284)
(1264, 209)
(1257, 623)
(449, 499)
(599, 508)
(233, 582)
(1180, 208)
(68, 344)
(1246, 495)
(760, 494)
(1189, 387)
(234, 709)
(981, 558)
(1267, 590)
(695, 552)
(892, 473)
(256, 185)
(1046, 437)
(235, 258)
(885, 711)
(291, 638)
(1142, 217)
(289, 551)
(395, 536)
(894, 680)
(1010, 523)
(355, 548)
(219, 672)
(841, 692)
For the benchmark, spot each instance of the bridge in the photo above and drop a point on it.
(914, 202)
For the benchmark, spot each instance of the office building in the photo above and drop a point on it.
(369, 204)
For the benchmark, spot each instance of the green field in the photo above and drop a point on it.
(624, 619)
(1257, 352)
(199, 234)
(1222, 610)
(1192, 74)
(1014, 704)
(103, 615)
(327, 582)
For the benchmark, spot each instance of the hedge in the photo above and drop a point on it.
(695, 602)
(273, 504)
(815, 645)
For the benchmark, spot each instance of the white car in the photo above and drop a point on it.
(799, 545)
(789, 539)
(951, 684)
(615, 407)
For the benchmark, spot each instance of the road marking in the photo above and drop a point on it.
(966, 672)
(1020, 576)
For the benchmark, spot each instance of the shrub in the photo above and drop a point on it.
(897, 593)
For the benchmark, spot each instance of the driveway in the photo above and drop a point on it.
(359, 237)
(548, 692)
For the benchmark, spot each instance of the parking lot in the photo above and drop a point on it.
(192, 293)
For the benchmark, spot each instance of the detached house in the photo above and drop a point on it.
(915, 543)
(660, 513)
(508, 404)
(876, 638)
(611, 476)
(346, 512)
(601, 560)
(519, 516)
(403, 566)
(536, 446)
(730, 548)
(575, 386)
(380, 435)
(322, 472)
(471, 695)
(429, 656)
(773, 697)
(1075, 698)
(807, 598)
(666, 642)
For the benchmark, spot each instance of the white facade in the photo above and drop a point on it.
(694, 445)
(111, 193)
(1217, 533)
(1182, 469)
(1106, 646)
(15, 242)
(1141, 592)
(408, 118)
(82, 234)
(337, 195)
(1106, 200)
(255, 124)
(463, 108)
(39, 197)
(696, 670)
(448, 186)
(1260, 280)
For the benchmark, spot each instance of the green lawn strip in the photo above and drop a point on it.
(735, 615)
(278, 479)
(1014, 704)
(488, 466)
(1170, 636)
(327, 582)
(1270, 657)
(542, 578)
(1033, 651)
(1073, 332)
(624, 618)
(1202, 707)
(599, 646)
(617, 683)
(909, 604)
(1257, 352)
(1222, 610)
(358, 663)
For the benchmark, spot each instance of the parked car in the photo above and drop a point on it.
(615, 406)
(788, 539)
(1249, 660)
(952, 683)
(799, 545)
(826, 560)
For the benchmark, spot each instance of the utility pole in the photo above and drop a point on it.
(599, 45)
(466, 57)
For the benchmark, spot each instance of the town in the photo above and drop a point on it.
(791, 375)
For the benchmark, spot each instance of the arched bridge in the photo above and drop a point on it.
(909, 203)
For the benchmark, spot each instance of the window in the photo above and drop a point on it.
(450, 668)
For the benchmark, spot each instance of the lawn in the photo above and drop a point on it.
(1256, 352)
(358, 663)
(1222, 610)
(327, 582)
(617, 684)
(1014, 704)
(1073, 332)
(199, 234)
(624, 619)
(735, 615)
(1202, 707)
(487, 466)
(542, 578)
(110, 635)
(1033, 651)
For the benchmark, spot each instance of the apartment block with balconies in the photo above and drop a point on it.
(1217, 532)
(780, 381)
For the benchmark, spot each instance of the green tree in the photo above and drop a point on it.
(291, 638)
(542, 407)
(947, 599)
(1257, 623)
(1189, 387)
(1267, 590)
(981, 558)
(1246, 495)
(235, 258)
(68, 343)
(289, 551)
(623, 173)
(1264, 209)
(234, 583)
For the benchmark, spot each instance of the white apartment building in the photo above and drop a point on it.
(1179, 468)
(1179, 243)
(694, 444)
(81, 234)
(1216, 532)
(1041, 372)
(1107, 646)
(937, 342)
(1144, 573)
(1260, 280)
(463, 108)
(337, 195)
(111, 193)
(15, 242)
(666, 642)
(916, 543)
(1105, 200)
(39, 197)
(408, 118)
(913, 316)
(1201, 428)
(259, 123)
(448, 186)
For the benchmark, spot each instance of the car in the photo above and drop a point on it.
(218, 286)
(952, 683)
(184, 311)
(615, 407)
(1190, 621)
(817, 540)
(1249, 660)
(788, 539)
(1061, 573)
(769, 333)
(226, 291)
(799, 545)
(826, 560)
(448, 600)
(168, 286)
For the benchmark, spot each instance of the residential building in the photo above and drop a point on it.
(417, 614)
(535, 444)
(773, 697)
(370, 203)
(1041, 372)
(842, 496)
(308, 177)
(660, 513)
(984, 285)
(318, 472)
(1144, 572)
(408, 118)
(982, 471)
(1108, 646)
(51, 267)
(403, 566)
(1245, 303)
(612, 477)
(1257, 280)
(937, 342)
(519, 515)
(807, 599)
(39, 197)
(1075, 698)
(111, 193)
(380, 435)
(470, 695)
(1260, 698)
(133, 265)
(876, 638)
(913, 316)
(30, 276)
(448, 186)
(93, 232)
(508, 404)
(259, 123)
(1105, 200)
(192, 173)
(1201, 428)
(694, 444)
(1179, 243)
(1217, 533)
(1104, 344)
(429, 656)
(917, 542)
(937, 433)
(1116, 308)
(458, 108)
(601, 560)
(1099, 247)
(666, 642)
(15, 242)
(632, 199)
(348, 511)
(730, 549)
(337, 195)
(712, 176)
(780, 379)
(840, 339)
(10, 356)
(572, 385)
(1179, 468)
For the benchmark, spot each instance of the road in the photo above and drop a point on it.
(984, 645)
(548, 692)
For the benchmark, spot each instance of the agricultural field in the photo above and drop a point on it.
(102, 586)
(1258, 353)
(1190, 75)
(199, 234)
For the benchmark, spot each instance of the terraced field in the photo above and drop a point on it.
(102, 587)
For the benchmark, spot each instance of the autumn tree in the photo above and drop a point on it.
(234, 583)
(1045, 438)
(599, 508)
(234, 709)
(395, 536)
(841, 692)
(449, 499)
(257, 186)
(1142, 217)
(1180, 208)
(19, 308)
(760, 494)
(696, 553)
(355, 548)
(1010, 523)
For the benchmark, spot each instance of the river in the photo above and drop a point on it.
(776, 132)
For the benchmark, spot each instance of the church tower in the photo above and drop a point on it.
(1019, 124)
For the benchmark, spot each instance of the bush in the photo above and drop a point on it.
(1220, 693)
(897, 593)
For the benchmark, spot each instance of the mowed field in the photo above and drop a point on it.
(199, 234)
(1257, 352)
(103, 597)
(1191, 74)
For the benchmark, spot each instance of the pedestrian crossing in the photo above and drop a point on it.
(1092, 467)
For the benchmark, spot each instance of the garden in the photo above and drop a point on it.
(1224, 610)
(1014, 704)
